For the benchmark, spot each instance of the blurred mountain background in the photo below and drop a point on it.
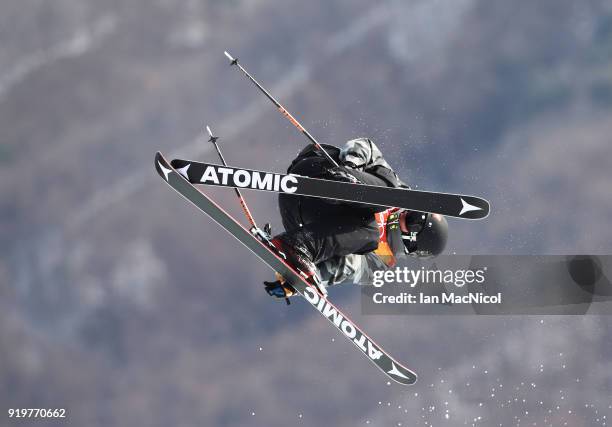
(122, 304)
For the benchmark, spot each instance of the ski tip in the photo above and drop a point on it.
(473, 207)
(401, 375)
(411, 380)
(158, 157)
(161, 166)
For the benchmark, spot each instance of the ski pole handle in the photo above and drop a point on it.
(283, 110)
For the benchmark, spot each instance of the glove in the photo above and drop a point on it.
(350, 164)
(339, 174)
(279, 288)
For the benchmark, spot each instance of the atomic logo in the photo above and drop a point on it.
(166, 171)
(396, 372)
(466, 207)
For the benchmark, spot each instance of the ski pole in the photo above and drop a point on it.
(245, 208)
(283, 111)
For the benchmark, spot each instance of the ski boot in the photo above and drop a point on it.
(296, 257)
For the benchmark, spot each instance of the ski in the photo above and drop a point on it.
(254, 241)
(455, 205)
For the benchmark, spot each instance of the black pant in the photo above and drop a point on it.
(325, 228)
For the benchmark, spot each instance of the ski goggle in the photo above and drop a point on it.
(415, 223)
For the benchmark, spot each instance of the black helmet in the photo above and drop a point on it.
(427, 234)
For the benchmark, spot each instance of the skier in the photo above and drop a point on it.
(332, 242)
